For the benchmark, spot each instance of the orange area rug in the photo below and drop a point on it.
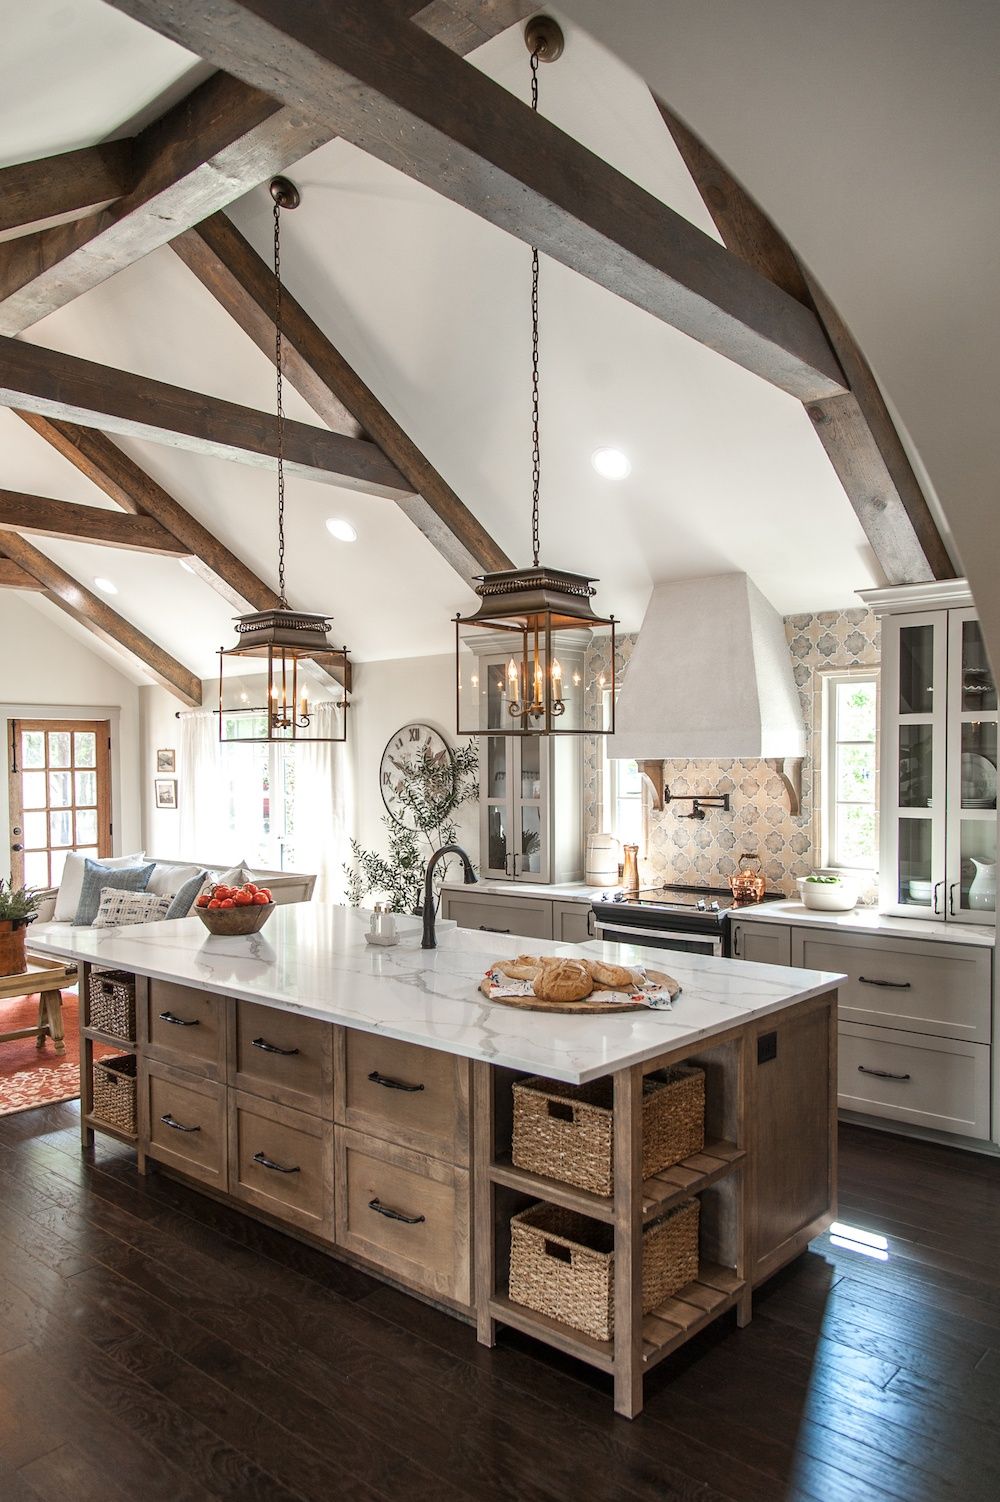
(31, 1076)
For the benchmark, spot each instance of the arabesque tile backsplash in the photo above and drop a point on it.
(689, 851)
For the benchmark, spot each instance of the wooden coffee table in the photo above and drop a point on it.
(49, 978)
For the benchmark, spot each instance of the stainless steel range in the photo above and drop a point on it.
(695, 919)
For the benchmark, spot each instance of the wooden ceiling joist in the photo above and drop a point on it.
(34, 379)
(72, 182)
(40, 516)
(397, 93)
(855, 428)
(13, 576)
(98, 617)
(244, 284)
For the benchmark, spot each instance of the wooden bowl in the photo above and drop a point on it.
(232, 921)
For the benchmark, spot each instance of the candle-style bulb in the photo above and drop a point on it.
(556, 674)
(512, 671)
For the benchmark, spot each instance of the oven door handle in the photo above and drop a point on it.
(633, 935)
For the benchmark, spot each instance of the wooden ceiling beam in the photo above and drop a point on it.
(33, 379)
(400, 95)
(71, 182)
(855, 428)
(13, 576)
(40, 516)
(106, 624)
(244, 284)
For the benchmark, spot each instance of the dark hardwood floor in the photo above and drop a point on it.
(156, 1347)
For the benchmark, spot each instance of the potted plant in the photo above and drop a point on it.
(18, 908)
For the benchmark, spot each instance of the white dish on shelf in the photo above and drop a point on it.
(979, 780)
(921, 891)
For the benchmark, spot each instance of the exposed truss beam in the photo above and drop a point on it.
(98, 617)
(244, 284)
(856, 430)
(71, 182)
(400, 95)
(41, 516)
(34, 379)
(13, 576)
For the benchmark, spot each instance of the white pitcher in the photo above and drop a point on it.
(983, 891)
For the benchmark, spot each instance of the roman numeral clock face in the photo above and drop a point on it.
(416, 764)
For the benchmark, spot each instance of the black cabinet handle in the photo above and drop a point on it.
(176, 1021)
(890, 985)
(937, 887)
(881, 1074)
(175, 1125)
(951, 898)
(484, 928)
(390, 1084)
(266, 1162)
(266, 1047)
(408, 1220)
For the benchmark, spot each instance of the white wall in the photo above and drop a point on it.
(160, 730)
(47, 673)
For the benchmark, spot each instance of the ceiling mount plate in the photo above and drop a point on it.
(544, 36)
(284, 192)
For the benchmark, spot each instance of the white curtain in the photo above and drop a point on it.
(204, 823)
(323, 800)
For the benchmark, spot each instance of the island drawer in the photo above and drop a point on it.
(282, 1057)
(185, 1027)
(407, 1213)
(281, 1161)
(183, 1122)
(403, 1092)
(942, 1084)
(530, 916)
(915, 985)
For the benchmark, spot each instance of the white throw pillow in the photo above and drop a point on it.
(117, 908)
(234, 877)
(71, 885)
(167, 879)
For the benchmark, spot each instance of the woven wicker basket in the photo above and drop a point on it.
(114, 1092)
(112, 1003)
(565, 1131)
(562, 1264)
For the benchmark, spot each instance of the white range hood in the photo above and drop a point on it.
(710, 677)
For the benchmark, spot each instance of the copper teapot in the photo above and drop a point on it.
(747, 883)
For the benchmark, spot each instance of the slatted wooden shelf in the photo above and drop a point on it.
(659, 1192)
(99, 1125)
(671, 1323)
(126, 1045)
(553, 1332)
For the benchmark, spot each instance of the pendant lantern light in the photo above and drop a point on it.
(520, 659)
(289, 648)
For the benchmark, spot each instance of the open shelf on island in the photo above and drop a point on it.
(99, 1125)
(127, 1045)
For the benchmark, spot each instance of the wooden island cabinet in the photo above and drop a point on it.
(364, 1103)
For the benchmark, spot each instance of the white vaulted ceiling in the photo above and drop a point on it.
(430, 304)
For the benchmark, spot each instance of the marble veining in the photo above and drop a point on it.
(312, 959)
(866, 920)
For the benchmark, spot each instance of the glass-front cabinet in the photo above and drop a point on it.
(939, 767)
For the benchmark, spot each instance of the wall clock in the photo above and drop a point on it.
(399, 760)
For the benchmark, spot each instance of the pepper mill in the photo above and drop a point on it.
(630, 870)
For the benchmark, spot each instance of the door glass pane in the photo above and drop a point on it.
(61, 828)
(978, 688)
(978, 886)
(56, 862)
(531, 767)
(60, 789)
(916, 766)
(496, 764)
(86, 789)
(915, 885)
(33, 789)
(916, 670)
(58, 748)
(32, 748)
(36, 831)
(979, 765)
(84, 748)
(91, 854)
(531, 841)
(86, 826)
(497, 839)
(36, 869)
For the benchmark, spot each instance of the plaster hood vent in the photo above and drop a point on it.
(710, 677)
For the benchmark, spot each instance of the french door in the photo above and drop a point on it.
(60, 796)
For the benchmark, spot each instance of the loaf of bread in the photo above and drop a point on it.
(525, 967)
(563, 980)
(607, 977)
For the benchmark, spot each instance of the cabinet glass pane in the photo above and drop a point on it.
(916, 766)
(978, 689)
(978, 885)
(531, 842)
(916, 669)
(915, 882)
(497, 839)
(979, 765)
(531, 767)
(496, 767)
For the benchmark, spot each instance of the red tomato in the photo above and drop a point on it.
(249, 887)
(242, 899)
(259, 899)
(214, 903)
(266, 892)
(227, 902)
(203, 900)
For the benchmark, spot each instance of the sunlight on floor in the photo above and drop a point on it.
(868, 1243)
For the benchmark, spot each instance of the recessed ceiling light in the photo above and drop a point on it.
(185, 565)
(106, 586)
(611, 463)
(341, 530)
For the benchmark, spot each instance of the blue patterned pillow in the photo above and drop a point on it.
(96, 877)
(183, 899)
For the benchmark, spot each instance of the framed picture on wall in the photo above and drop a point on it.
(166, 761)
(166, 792)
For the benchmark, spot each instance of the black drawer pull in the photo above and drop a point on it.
(484, 928)
(176, 1021)
(266, 1162)
(408, 1220)
(175, 1125)
(390, 1084)
(890, 985)
(266, 1047)
(881, 1074)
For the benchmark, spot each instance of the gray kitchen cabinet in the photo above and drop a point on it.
(764, 943)
(496, 912)
(572, 922)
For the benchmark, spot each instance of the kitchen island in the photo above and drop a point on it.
(362, 1098)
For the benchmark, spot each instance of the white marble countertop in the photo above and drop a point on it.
(312, 959)
(868, 920)
(569, 891)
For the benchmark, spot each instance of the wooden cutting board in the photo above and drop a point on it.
(589, 1005)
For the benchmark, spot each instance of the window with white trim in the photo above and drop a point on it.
(849, 777)
(623, 801)
(258, 794)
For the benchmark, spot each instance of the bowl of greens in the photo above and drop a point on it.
(828, 894)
